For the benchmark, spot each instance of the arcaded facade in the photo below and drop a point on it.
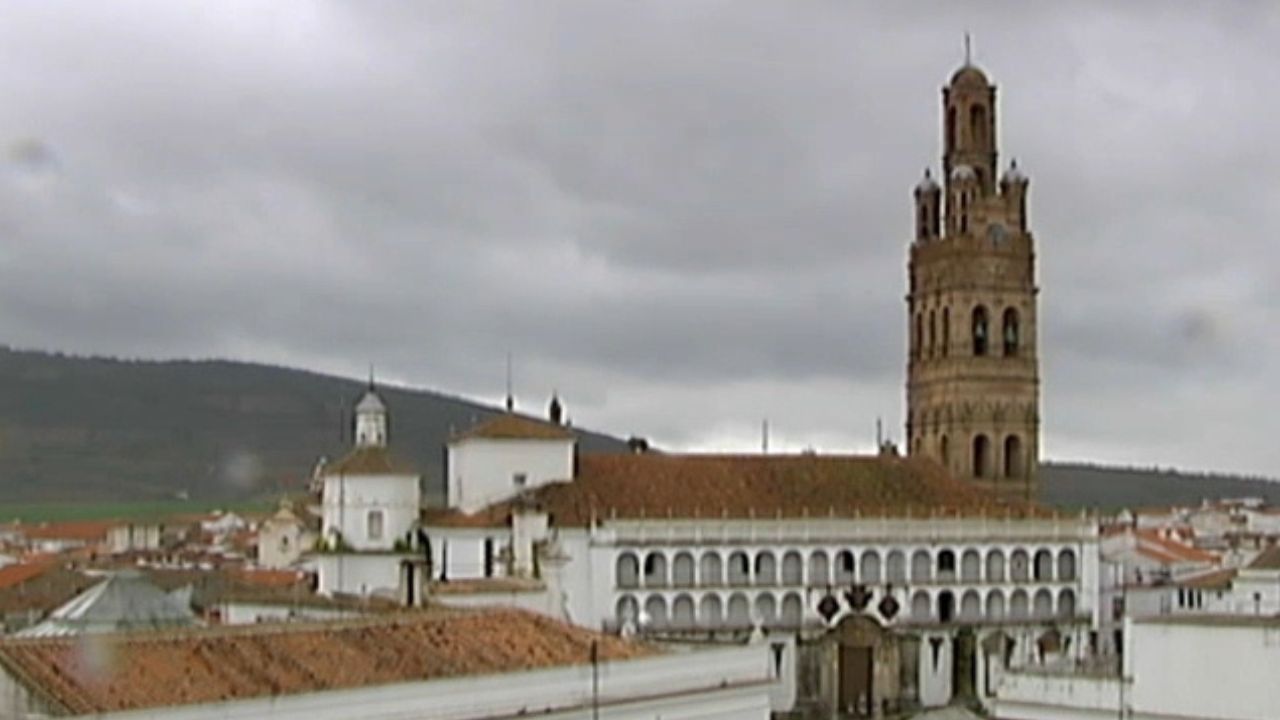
(973, 372)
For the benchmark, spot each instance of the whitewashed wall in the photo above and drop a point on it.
(1211, 669)
(354, 574)
(243, 613)
(481, 471)
(348, 499)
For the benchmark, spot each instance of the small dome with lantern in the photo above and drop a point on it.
(927, 184)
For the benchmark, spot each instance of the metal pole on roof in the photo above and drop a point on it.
(595, 680)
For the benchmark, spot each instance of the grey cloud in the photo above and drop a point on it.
(685, 217)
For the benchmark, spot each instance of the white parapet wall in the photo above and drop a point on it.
(721, 684)
(1032, 695)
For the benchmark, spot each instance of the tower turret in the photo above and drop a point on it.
(371, 420)
(969, 133)
(928, 208)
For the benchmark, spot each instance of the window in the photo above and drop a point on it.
(981, 456)
(946, 330)
(978, 124)
(1010, 333)
(980, 331)
(933, 332)
(373, 524)
(946, 562)
(519, 479)
(1012, 457)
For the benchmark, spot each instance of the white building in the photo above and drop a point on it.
(1256, 589)
(429, 666)
(1212, 667)
(722, 547)
(370, 505)
(283, 538)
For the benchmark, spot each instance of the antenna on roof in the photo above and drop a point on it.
(879, 434)
(511, 401)
(371, 376)
(764, 436)
(968, 50)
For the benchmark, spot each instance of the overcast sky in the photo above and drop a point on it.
(687, 216)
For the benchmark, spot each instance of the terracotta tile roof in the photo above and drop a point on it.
(510, 426)
(1151, 542)
(1214, 580)
(1268, 559)
(270, 578)
(368, 461)
(148, 670)
(83, 530)
(656, 485)
(44, 591)
(19, 573)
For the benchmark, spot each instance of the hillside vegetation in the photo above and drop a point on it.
(97, 429)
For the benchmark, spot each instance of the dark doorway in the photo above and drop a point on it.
(946, 606)
(855, 681)
(964, 666)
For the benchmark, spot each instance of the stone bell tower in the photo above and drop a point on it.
(973, 375)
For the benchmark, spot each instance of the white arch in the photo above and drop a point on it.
(710, 611)
(682, 571)
(683, 614)
(710, 570)
(971, 606)
(971, 566)
(1019, 605)
(739, 610)
(766, 568)
(921, 565)
(921, 607)
(995, 571)
(792, 569)
(655, 570)
(1042, 605)
(995, 606)
(792, 609)
(627, 610)
(1066, 564)
(655, 607)
(819, 569)
(870, 565)
(766, 609)
(627, 570)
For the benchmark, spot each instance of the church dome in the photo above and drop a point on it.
(963, 172)
(927, 184)
(969, 75)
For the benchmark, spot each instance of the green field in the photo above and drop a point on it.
(148, 510)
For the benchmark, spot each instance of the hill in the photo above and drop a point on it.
(96, 429)
(1079, 485)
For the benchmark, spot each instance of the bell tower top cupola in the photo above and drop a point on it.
(371, 420)
(969, 133)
